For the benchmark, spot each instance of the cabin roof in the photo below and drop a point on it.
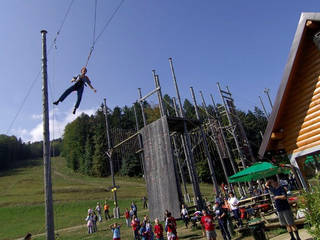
(286, 78)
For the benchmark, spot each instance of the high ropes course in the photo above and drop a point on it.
(95, 38)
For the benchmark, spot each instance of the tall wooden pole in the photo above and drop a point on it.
(46, 144)
(264, 109)
(116, 211)
(266, 91)
(141, 155)
(142, 108)
(157, 83)
(205, 144)
(186, 142)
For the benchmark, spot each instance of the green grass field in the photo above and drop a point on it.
(22, 201)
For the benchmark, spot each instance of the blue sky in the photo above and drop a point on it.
(242, 44)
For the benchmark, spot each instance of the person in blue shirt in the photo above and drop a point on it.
(80, 81)
(115, 228)
(283, 207)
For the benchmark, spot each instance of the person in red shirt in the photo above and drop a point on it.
(158, 230)
(127, 216)
(135, 224)
(171, 227)
(207, 224)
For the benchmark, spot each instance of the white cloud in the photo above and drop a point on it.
(58, 120)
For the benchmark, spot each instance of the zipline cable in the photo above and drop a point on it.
(61, 26)
(103, 29)
(38, 74)
(94, 21)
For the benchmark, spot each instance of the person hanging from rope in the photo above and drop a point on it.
(80, 81)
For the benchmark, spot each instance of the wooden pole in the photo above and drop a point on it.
(116, 211)
(186, 141)
(264, 109)
(141, 155)
(205, 144)
(46, 144)
(142, 108)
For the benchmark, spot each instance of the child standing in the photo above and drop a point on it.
(89, 220)
(143, 231)
(127, 216)
(115, 228)
(149, 231)
(171, 227)
(94, 222)
(135, 224)
(158, 230)
(185, 215)
(98, 209)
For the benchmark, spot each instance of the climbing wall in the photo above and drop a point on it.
(160, 175)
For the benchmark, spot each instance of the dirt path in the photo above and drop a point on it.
(69, 229)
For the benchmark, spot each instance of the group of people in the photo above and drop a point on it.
(145, 231)
(95, 216)
(220, 212)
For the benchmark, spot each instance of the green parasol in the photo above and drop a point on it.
(257, 171)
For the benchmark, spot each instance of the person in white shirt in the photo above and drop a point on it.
(234, 206)
(185, 215)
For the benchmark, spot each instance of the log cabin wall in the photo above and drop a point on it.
(299, 118)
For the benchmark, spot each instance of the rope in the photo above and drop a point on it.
(23, 102)
(38, 74)
(103, 29)
(61, 26)
(94, 21)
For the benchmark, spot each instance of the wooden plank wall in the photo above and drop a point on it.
(162, 186)
(300, 118)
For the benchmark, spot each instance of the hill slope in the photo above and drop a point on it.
(22, 200)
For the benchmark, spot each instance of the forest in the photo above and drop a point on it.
(84, 142)
(14, 152)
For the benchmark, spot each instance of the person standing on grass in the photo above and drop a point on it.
(149, 230)
(89, 220)
(131, 213)
(185, 215)
(115, 228)
(158, 230)
(134, 208)
(98, 209)
(135, 224)
(283, 207)
(127, 217)
(143, 231)
(145, 202)
(234, 207)
(94, 222)
(106, 208)
(222, 216)
(171, 227)
(208, 225)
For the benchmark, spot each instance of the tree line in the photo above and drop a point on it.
(84, 143)
(14, 152)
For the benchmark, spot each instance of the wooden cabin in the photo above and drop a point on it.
(293, 129)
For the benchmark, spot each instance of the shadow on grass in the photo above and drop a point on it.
(17, 167)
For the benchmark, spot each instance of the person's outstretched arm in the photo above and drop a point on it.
(89, 84)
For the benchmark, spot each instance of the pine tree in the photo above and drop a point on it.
(100, 167)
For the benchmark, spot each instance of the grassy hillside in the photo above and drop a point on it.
(22, 207)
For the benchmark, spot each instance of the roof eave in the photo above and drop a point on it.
(285, 78)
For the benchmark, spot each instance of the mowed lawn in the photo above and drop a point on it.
(22, 201)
